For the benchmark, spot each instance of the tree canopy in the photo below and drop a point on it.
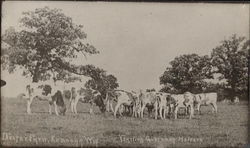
(46, 45)
(187, 73)
(230, 59)
(103, 83)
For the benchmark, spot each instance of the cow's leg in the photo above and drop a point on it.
(139, 110)
(71, 102)
(164, 112)
(134, 111)
(56, 108)
(160, 110)
(175, 112)
(111, 106)
(75, 104)
(116, 108)
(142, 110)
(186, 110)
(156, 110)
(199, 108)
(131, 110)
(50, 104)
(29, 102)
(91, 108)
(191, 112)
(214, 107)
(121, 109)
(50, 107)
(107, 105)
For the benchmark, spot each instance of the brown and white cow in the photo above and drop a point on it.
(58, 98)
(44, 92)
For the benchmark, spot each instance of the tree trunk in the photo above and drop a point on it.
(35, 77)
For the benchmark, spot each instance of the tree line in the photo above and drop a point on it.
(227, 63)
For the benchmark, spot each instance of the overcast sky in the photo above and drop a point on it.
(138, 40)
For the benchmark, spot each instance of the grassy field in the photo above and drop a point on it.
(226, 129)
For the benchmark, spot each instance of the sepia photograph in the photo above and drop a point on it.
(124, 74)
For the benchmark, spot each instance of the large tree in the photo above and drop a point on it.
(231, 59)
(45, 46)
(187, 73)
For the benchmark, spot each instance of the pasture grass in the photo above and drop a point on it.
(229, 128)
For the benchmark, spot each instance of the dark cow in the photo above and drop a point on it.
(58, 98)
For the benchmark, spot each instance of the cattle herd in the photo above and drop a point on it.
(126, 102)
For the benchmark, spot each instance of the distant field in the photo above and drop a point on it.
(226, 129)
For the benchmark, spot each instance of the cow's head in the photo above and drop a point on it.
(189, 98)
(46, 90)
(170, 100)
(98, 100)
(29, 89)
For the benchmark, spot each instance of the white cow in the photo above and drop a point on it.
(34, 91)
(206, 99)
(163, 104)
(75, 97)
(124, 98)
(183, 101)
(111, 97)
(148, 98)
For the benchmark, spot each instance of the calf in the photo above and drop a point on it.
(206, 99)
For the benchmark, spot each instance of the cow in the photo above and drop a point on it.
(137, 105)
(76, 94)
(124, 98)
(183, 101)
(74, 98)
(206, 99)
(58, 98)
(163, 103)
(150, 99)
(42, 93)
(111, 96)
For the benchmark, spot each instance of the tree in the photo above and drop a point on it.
(230, 59)
(46, 45)
(187, 73)
(102, 83)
